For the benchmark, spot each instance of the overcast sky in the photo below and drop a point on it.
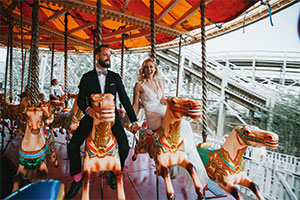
(283, 36)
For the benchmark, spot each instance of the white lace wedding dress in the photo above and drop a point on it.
(155, 113)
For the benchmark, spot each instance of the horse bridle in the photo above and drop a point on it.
(177, 109)
(245, 137)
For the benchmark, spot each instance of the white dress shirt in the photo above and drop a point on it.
(101, 79)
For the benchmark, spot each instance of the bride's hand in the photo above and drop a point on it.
(163, 101)
(134, 127)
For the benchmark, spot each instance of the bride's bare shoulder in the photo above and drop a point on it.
(138, 86)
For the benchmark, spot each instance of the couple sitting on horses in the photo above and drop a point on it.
(149, 90)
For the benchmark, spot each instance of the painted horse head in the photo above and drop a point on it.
(35, 119)
(178, 107)
(254, 136)
(104, 105)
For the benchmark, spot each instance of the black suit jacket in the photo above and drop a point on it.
(89, 84)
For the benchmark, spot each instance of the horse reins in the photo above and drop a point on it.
(244, 137)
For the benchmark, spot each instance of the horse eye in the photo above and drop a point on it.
(247, 132)
(173, 102)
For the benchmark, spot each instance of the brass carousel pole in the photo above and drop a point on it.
(122, 57)
(52, 63)
(97, 43)
(5, 85)
(178, 68)
(153, 56)
(99, 24)
(11, 62)
(34, 55)
(66, 58)
(22, 49)
(152, 21)
(204, 72)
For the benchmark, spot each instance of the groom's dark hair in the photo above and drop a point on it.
(98, 49)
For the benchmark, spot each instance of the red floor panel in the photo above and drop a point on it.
(139, 177)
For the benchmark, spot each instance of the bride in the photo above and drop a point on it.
(150, 91)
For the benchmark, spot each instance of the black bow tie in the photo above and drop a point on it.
(104, 72)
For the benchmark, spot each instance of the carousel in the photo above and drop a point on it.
(35, 132)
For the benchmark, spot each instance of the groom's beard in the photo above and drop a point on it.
(103, 64)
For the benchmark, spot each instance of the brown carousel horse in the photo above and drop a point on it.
(101, 152)
(16, 114)
(66, 118)
(166, 146)
(226, 165)
(36, 149)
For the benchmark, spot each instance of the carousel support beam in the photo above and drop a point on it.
(54, 16)
(152, 22)
(66, 56)
(99, 23)
(34, 55)
(119, 32)
(186, 15)
(137, 35)
(125, 4)
(189, 13)
(166, 10)
(204, 72)
(84, 26)
(11, 7)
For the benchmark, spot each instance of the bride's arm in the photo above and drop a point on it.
(136, 97)
(163, 99)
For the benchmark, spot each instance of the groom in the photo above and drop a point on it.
(99, 80)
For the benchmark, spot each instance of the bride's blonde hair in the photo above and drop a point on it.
(141, 74)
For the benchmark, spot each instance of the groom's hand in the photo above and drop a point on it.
(134, 127)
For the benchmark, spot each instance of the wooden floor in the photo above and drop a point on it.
(139, 178)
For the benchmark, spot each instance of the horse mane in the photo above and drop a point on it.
(168, 119)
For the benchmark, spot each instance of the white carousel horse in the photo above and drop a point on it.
(101, 152)
(36, 149)
(166, 145)
(226, 165)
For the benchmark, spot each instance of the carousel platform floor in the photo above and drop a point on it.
(139, 178)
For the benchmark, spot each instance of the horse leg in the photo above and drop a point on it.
(191, 169)
(164, 172)
(120, 186)
(43, 171)
(86, 185)
(232, 189)
(252, 186)
(19, 177)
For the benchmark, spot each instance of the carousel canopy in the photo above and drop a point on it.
(173, 19)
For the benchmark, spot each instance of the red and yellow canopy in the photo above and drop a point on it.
(130, 17)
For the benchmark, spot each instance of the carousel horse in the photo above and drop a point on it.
(36, 150)
(16, 114)
(66, 118)
(166, 145)
(101, 152)
(226, 165)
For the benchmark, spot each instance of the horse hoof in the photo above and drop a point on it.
(171, 196)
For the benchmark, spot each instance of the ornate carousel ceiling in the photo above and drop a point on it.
(173, 18)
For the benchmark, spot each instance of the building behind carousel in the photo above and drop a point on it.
(241, 91)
